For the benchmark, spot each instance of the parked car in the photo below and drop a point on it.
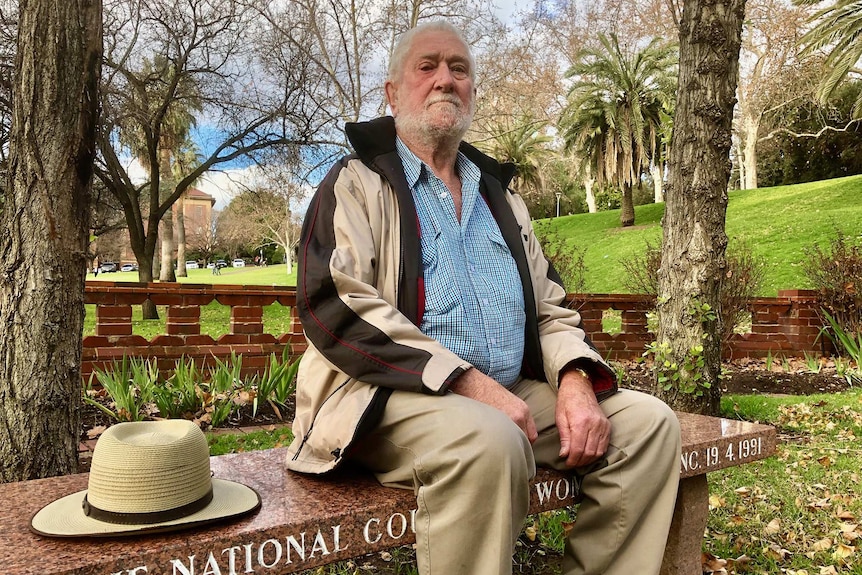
(221, 263)
(129, 268)
(108, 267)
(191, 265)
(238, 263)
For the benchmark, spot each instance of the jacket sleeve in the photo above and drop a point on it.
(564, 342)
(346, 288)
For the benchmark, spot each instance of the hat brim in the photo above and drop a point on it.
(65, 517)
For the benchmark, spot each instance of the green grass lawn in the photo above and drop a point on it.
(272, 275)
(778, 223)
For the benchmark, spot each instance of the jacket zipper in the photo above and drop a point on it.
(311, 428)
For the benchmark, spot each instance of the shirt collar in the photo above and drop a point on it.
(413, 166)
(411, 162)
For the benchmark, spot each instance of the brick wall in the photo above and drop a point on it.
(784, 326)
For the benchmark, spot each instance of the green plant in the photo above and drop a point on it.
(277, 383)
(849, 342)
(129, 384)
(836, 273)
(568, 260)
(813, 363)
(225, 375)
(225, 378)
(769, 360)
(742, 277)
(687, 376)
(179, 395)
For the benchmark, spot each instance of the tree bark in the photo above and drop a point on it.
(167, 227)
(180, 225)
(591, 195)
(43, 248)
(627, 211)
(693, 249)
(751, 128)
(657, 173)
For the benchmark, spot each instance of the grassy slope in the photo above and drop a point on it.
(777, 222)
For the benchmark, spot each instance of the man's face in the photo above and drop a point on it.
(433, 100)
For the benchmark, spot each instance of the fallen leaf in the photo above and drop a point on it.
(530, 532)
(825, 461)
(741, 564)
(772, 527)
(821, 545)
(716, 502)
(829, 570)
(742, 491)
(846, 515)
(776, 552)
(843, 551)
(95, 432)
(712, 564)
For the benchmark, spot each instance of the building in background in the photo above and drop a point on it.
(197, 219)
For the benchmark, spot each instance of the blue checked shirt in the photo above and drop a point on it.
(474, 302)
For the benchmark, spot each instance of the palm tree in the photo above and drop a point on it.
(524, 145)
(613, 118)
(172, 120)
(836, 29)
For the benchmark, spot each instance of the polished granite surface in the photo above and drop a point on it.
(303, 522)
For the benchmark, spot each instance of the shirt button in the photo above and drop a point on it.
(484, 302)
(493, 341)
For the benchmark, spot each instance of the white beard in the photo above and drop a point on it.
(437, 123)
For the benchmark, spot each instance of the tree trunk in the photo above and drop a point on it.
(181, 237)
(167, 224)
(627, 213)
(167, 236)
(751, 127)
(591, 195)
(43, 248)
(657, 173)
(689, 334)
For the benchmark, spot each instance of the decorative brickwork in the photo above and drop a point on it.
(788, 325)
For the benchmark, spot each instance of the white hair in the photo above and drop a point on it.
(405, 42)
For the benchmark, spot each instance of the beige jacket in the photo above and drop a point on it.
(360, 299)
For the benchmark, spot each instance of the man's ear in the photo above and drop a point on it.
(391, 96)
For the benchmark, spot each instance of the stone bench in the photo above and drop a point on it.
(305, 522)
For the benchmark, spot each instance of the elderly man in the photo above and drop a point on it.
(439, 355)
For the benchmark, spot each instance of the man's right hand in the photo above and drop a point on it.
(476, 385)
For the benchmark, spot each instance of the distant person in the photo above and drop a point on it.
(441, 355)
(216, 269)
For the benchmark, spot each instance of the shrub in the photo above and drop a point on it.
(742, 278)
(568, 260)
(836, 273)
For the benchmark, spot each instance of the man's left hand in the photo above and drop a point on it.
(584, 429)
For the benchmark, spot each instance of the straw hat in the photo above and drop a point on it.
(146, 477)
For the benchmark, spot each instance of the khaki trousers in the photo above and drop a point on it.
(470, 467)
